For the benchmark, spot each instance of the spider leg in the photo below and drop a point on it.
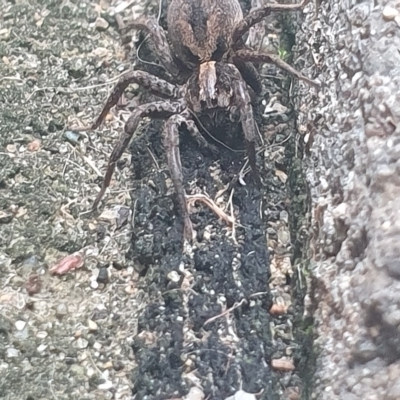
(255, 56)
(150, 82)
(250, 74)
(243, 102)
(259, 14)
(171, 144)
(159, 109)
(159, 40)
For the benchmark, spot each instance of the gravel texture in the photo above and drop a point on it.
(353, 174)
(108, 304)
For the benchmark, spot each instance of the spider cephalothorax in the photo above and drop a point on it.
(206, 38)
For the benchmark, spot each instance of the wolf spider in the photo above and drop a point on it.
(206, 38)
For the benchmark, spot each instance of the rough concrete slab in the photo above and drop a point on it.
(353, 174)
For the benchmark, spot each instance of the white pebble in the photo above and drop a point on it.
(92, 325)
(42, 348)
(106, 385)
(42, 334)
(94, 284)
(173, 276)
(20, 325)
(207, 235)
(390, 13)
(97, 345)
(63, 149)
(11, 352)
(81, 343)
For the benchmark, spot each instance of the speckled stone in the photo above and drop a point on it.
(355, 187)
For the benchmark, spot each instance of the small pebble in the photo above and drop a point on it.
(72, 137)
(20, 325)
(34, 145)
(4, 33)
(390, 13)
(195, 394)
(103, 275)
(206, 235)
(117, 365)
(101, 24)
(242, 395)
(173, 276)
(92, 325)
(365, 351)
(108, 365)
(100, 52)
(11, 352)
(106, 385)
(41, 348)
(283, 364)
(61, 310)
(11, 148)
(94, 284)
(278, 309)
(81, 343)
(77, 370)
(63, 149)
(284, 216)
(283, 236)
(97, 345)
(90, 371)
(42, 334)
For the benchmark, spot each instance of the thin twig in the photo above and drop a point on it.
(134, 213)
(87, 161)
(70, 90)
(154, 159)
(230, 203)
(236, 305)
(211, 204)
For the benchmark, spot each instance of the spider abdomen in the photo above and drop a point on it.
(201, 30)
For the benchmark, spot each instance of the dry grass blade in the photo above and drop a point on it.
(191, 199)
(236, 305)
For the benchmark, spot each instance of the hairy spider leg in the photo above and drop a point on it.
(159, 40)
(171, 144)
(154, 85)
(255, 56)
(159, 110)
(250, 74)
(259, 14)
(243, 102)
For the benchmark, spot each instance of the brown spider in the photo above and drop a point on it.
(206, 38)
